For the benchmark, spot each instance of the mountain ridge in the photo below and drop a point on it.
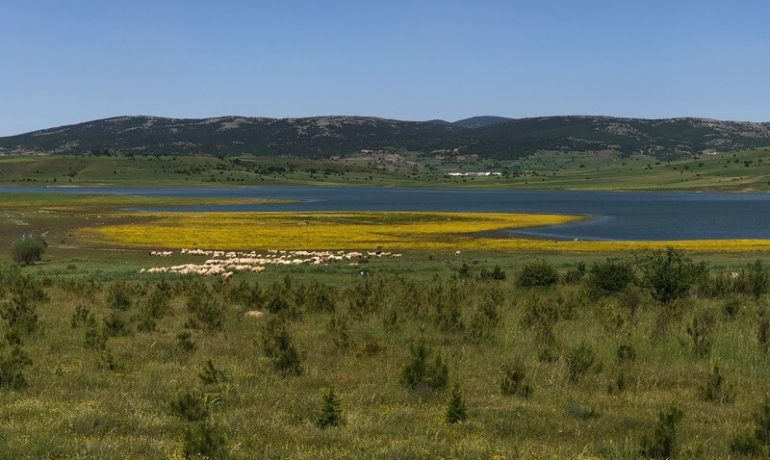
(323, 136)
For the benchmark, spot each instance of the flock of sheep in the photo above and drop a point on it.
(227, 263)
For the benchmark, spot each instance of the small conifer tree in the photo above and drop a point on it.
(331, 411)
(456, 411)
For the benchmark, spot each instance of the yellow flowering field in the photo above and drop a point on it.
(366, 231)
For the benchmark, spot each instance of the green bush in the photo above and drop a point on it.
(422, 372)
(116, 325)
(669, 275)
(119, 296)
(542, 315)
(339, 328)
(184, 342)
(20, 316)
(456, 410)
(580, 361)
(206, 312)
(205, 440)
(700, 330)
(763, 334)
(330, 413)
(210, 375)
(662, 444)
(758, 279)
(610, 276)
(762, 422)
(496, 274)
(745, 444)
(625, 353)
(28, 250)
(715, 389)
(576, 273)
(514, 382)
(278, 346)
(13, 361)
(190, 407)
(537, 274)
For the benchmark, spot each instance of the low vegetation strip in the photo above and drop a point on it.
(369, 231)
(94, 201)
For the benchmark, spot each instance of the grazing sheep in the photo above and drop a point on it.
(256, 314)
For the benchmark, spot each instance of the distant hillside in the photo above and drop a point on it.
(480, 122)
(337, 135)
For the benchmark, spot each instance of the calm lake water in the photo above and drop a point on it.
(615, 215)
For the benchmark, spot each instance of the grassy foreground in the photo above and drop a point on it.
(167, 367)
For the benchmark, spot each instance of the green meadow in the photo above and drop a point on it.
(747, 170)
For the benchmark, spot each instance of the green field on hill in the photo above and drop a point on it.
(747, 170)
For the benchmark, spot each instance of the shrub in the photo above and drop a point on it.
(207, 313)
(365, 296)
(119, 297)
(731, 309)
(700, 331)
(82, 317)
(464, 271)
(247, 295)
(496, 274)
(715, 389)
(580, 361)
(762, 422)
(28, 250)
(576, 273)
(339, 328)
(13, 361)
(514, 382)
(541, 315)
(422, 372)
(205, 440)
(210, 375)
(537, 274)
(107, 360)
(625, 353)
(758, 278)
(662, 444)
(456, 410)
(184, 342)
(370, 347)
(95, 338)
(116, 325)
(448, 315)
(20, 316)
(194, 407)
(158, 302)
(320, 298)
(276, 299)
(330, 413)
(745, 444)
(610, 276)
(485, 317)
(278, 346)
(763, 334)
(669, 275)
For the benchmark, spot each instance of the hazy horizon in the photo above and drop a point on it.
(88, 60)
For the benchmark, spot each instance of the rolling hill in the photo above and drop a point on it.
(493, 137)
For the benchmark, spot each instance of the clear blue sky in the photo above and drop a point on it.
(68, 61)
